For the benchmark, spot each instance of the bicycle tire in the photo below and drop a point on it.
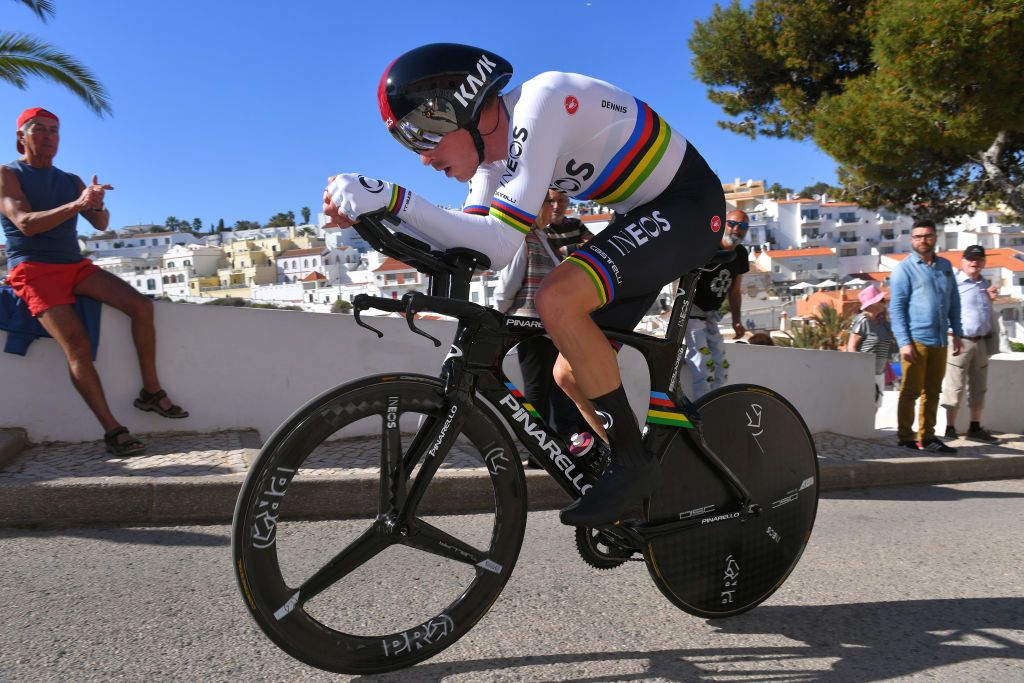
(729, 565)
(267, 501)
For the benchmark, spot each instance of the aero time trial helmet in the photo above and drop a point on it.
(436, 89)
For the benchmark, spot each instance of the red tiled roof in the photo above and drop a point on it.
(597, 217)
(795, 253)
(801, 200)
(312, 277)
(391, 264)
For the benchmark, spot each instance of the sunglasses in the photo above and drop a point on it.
(742, 225)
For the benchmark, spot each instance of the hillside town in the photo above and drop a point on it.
(805, 252)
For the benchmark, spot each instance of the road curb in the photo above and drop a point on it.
(12, 443)
(190, 500)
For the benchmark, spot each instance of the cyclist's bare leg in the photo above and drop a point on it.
(565, 300)
(567, 382)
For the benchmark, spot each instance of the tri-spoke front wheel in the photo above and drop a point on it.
(347, 549)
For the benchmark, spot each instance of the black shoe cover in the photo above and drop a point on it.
(614, 493)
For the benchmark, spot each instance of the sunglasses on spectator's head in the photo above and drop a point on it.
(742, 225)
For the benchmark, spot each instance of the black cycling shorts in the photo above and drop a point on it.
(655, 244)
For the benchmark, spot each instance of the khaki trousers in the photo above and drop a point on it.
(921, 379)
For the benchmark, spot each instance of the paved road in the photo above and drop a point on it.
(897, 584)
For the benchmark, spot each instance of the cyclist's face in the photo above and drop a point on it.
(455, 155)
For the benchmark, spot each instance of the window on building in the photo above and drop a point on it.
(165, 279)
(167, 240)
(848, 217)
(776, 269)
(809, 214)
(181, 277)
(187, 264)
(305, 263)
(151, 284)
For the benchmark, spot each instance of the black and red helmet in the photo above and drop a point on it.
(436, 89)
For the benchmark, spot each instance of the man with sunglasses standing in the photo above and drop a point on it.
(969, 371)
(591, 140)
(923, 307)
(705, 347)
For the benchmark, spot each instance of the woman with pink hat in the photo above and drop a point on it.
(870, 333)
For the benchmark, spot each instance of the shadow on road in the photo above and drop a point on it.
(920, 492)
(127, 536)
(856, 642)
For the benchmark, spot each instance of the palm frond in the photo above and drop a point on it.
(22, 56)
(41, 8)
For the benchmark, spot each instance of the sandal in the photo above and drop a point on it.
(151, 402)
(123, 449)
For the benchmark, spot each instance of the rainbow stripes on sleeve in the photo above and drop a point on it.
(475, 210)
(663, 412)
(596, 271)
(512, 215)
(631, 165)
(397, 201)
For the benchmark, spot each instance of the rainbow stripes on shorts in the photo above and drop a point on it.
(663, 412)
(596, 271)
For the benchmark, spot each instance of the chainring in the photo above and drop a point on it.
(601, 551)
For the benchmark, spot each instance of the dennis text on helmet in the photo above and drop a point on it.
(471, 87)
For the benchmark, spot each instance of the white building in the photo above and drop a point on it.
(989, 228)
(146, 244)
(179, 263)
(142, 273)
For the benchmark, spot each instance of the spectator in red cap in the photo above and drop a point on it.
(870, 333)
(39, 209)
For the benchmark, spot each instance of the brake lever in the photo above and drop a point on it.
(357, 308)
(410, 319)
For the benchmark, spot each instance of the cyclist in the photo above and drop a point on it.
(579, 135)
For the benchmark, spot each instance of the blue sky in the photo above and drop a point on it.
(239, 110)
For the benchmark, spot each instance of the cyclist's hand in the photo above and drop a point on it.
(353, 195)
(337, 219)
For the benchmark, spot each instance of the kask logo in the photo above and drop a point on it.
(572, 105)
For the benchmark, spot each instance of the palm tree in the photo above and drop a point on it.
(833, 328)
(23, 55)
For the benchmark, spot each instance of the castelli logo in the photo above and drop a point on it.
(572, 105)
(716, 224)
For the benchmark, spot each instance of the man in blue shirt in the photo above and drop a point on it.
(924, 306)
(970, 370)
(39, 209)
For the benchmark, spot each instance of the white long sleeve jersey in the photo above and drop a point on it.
(566, 131)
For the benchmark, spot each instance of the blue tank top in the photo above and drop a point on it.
(44, 188)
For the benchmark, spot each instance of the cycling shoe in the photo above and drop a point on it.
(614, 493)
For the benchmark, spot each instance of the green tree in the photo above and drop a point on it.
(305, 214)
(822, 188)
(306, 232)
(341, 306)
(197, 225)
(246, 225)
(919, 101)
(22, 56)
(281, 220)
(220, 225)
(173, 224)
(776, 191)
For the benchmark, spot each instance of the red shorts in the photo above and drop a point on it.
(44, 285)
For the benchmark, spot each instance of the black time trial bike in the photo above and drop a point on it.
(399, 582)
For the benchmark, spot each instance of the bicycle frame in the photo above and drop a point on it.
(483, 339)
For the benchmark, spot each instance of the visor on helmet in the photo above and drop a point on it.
(423, 127)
